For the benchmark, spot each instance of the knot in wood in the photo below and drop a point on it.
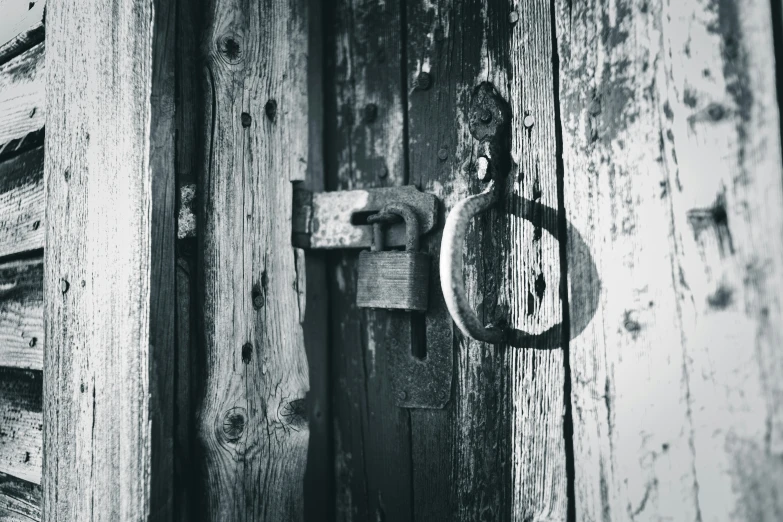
(229, 48)
(234, 422)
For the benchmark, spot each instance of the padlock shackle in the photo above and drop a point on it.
(408, 214)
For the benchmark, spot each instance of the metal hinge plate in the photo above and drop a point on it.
(332, 220)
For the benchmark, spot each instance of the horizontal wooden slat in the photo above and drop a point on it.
(21, 314)
(20, 501)
(22, 95)
(21, 26)
(21, 424)
(22, 202)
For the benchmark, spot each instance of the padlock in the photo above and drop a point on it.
(394, 279)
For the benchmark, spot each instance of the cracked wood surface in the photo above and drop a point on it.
(252, 424)
(20, 501)
(672, 161)
(22, 202)
(108, 269)
(21, 314)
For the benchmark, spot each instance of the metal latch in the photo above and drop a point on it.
(339, 220)
(334, 220)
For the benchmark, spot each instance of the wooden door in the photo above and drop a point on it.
(638, 241)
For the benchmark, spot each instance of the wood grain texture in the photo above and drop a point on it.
(672, 162)
(22, 90)
(22, 202)
(365, 148)
(502, 433)
(20, 424)
(22, 26)
(20, 501)
(252, 424)
(21, 314)
(107, 183)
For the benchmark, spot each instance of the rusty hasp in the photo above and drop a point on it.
(334, 220)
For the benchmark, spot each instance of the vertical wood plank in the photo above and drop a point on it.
(251, 421)
(107, 173)
(672, 159)
(365, 144)
(497, 452)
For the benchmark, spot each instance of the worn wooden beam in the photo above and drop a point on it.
(252, 424)
(20, 424)
(21, 314)
(22, 26)
(671, 146)
(22, 101)
(108, 261)
(365, 148)
(20, 501)
(22, 202)
(498, 451)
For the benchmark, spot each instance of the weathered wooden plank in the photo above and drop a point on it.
(672, 158)
(20, 424)
(20, 501)
(21, 314)
(364, 133)
(22, 100)
(108, 185)
(22, 202)
(319, 500)
(497, 452)
(252, 425)
(22, 26)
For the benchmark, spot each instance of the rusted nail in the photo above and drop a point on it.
(67, 174)
(234, 423)
(482, 169)
(36, 225)
(64, 285)
(33, 342)
(423, 81)
(246, 120)
(716, 112)
(84, 283)
(247, 353)
(270, 109)
(32, 112)
(402, 395)
(258, 297)
(370, 113)
(443, 154)
(528, 121)
(383, 173)
(485, 115)
(513, 17)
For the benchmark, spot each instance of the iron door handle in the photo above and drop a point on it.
(451, 266)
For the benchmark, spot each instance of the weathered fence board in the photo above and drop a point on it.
(20, 501)
(512, 396)
(22, 202)
(21, 314)
(108, 265)
(22, 27)
(365, 144)
(252, 425)
(20, 424)
(673, 175)
(22, 100)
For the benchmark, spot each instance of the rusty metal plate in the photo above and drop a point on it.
(326, 219)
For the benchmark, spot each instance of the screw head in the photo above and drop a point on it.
(443, 154)
(485, 115)
(528, 121)
(423, 81)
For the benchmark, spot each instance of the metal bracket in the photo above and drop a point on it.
(489, 121)
(332, 220)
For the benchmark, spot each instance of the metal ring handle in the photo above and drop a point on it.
(451, 267)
